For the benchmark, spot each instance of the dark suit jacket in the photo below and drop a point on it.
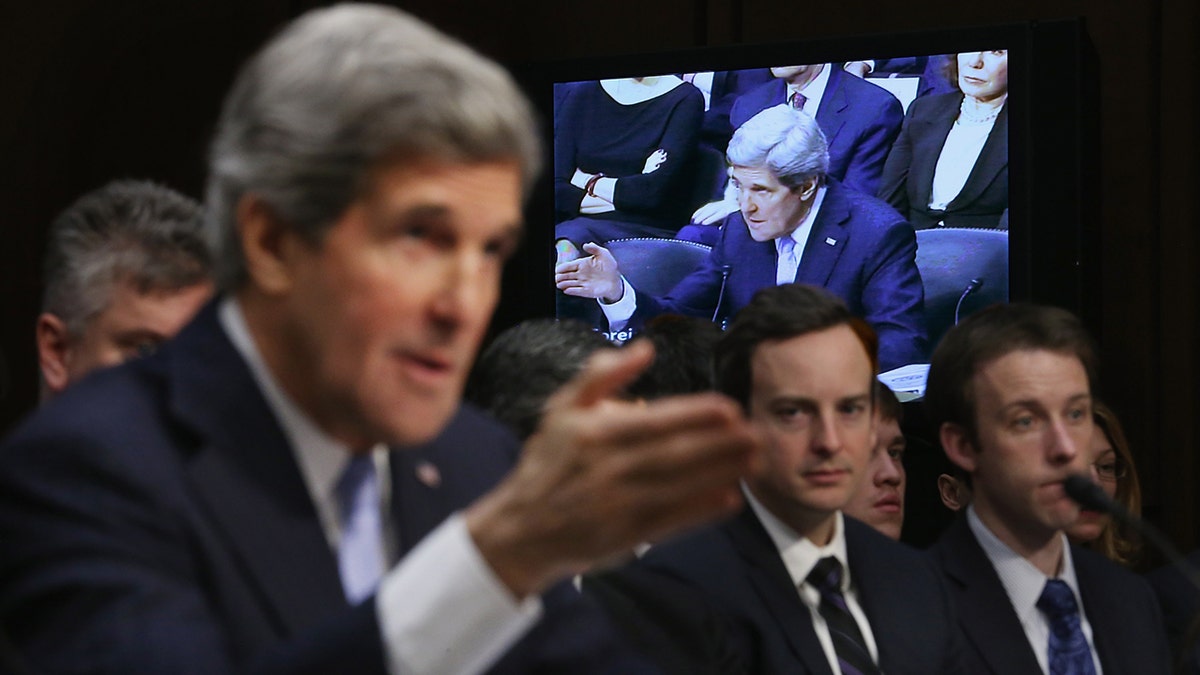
(860, 249)
(860, 121)
(1180, 601)
(154, 520)
(908, 174)
(1126, 621)
(737, 567)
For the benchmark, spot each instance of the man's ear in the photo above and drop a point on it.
(54, 352)
(807, 189)
(263, 237)
(958, 446)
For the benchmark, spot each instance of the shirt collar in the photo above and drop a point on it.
(799, 554)
(321, 458)
(814, 91)
(804, 229)
(1021, 580)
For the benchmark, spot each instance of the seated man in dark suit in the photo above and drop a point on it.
(243, 500)
(126, 267)
(1010, 392)
(794, 224)
(803, 588)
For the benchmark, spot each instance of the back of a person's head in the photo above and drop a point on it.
(340, 93)
(683, 357)
(886, 403)
(134, 232)
(988, 335)
(525, 365)
(778, 313)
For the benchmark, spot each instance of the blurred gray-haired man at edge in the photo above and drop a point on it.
(236, 502)
(126, 267)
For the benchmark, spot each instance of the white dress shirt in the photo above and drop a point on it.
(799, 557)
(959, 153)
(441, 610)
(813, 92)
(1024, 583)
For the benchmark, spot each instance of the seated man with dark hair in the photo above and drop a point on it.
(801, 587)
(126, 267)
(795, 225)
(1010, 392)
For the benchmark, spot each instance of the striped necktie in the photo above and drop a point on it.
(852, 655)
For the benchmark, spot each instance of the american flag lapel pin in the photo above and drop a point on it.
(428, 474)
(831, 241)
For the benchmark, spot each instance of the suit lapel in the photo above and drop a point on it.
(244, 473)
(831, 113)
(776, 591)
(929, 136)
(1105, 616)
(875, 580)
(985, 612)
(827, 239)
(992, 159)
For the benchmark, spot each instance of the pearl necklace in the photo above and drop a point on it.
(969, 112)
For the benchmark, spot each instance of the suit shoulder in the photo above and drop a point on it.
(868, 93)
(694, 557)
(928, 106)
(868, 209)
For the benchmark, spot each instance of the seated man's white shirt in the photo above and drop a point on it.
(800, 556)
(1024, 583)
(813, 92)
(442, 609)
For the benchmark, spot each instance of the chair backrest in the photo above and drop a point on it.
(653, 265)
(949, 258)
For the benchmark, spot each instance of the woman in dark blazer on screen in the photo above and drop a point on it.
(949, 167)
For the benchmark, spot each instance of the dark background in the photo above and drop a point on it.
(96, 90)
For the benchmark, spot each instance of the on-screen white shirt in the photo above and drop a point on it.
(1024, 583)
(813, 92)
(441, 609)
(799, 557)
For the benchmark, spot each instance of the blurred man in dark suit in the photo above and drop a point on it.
(242, 501)
(1010, 392)
(126, 267)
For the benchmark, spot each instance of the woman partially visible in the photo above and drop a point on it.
(1113, 468)
(949, 167)
(622, 153)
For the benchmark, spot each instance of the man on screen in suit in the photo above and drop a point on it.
(794, 224)
(1010, 392)
(242, 501)
(801, 587)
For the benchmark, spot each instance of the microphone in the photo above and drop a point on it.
(972, 286)
(725, 270)
(1087, 494)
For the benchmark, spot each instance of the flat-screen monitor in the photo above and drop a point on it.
(983, 140)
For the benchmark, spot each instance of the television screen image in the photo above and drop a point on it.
(942, 191)
(699, 188)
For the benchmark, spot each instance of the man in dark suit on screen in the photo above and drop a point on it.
(1010, 391)
(801, 587)
(794, 224)
(249, 498)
